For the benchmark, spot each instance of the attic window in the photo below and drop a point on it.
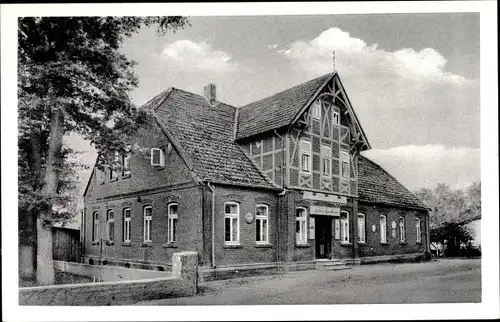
(336, 117)
(316, 110)
(157, 157)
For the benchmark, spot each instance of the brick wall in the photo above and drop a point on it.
(189, 227)
(183, 282)
(247, 251)
(373, 247)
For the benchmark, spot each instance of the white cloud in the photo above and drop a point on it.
(354, 54)
(192, 56)
(427, 165)
(401, 97)
(273, 46)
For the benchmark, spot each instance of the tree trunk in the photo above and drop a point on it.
(45, 265)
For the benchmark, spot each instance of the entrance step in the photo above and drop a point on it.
(332, 264)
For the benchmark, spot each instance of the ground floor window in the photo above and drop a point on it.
(111, 225)
(402, 236)
(344, 224)
(231, 223)
(126, 225)
(172, 222)
(148, 216)
(383, 229)
(262, 224)
(300, 226)
(95, 227)
(361, 228)
(419, 232)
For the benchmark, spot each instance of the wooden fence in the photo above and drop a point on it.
(66, 244)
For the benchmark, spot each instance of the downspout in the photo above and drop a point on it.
(212, 189)
(281, 194)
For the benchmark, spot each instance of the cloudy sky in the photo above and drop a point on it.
(413, 78)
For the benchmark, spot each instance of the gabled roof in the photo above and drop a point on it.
(204, 134)
(277, 110)
(378, 186)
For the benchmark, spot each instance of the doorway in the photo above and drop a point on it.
(323, 236)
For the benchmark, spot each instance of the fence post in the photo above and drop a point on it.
(185, 267)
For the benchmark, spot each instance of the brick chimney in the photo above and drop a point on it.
(210, 93)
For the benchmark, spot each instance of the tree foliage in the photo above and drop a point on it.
(72, 78)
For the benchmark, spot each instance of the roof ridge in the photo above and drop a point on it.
(201, 96)
(391, 176)
(288, 89)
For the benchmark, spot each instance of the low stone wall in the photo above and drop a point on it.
(400, 258)
(182, 282)
(108, 273)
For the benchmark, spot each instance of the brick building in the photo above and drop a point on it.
(276, 183)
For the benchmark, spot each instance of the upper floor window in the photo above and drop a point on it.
(305, 155)
(262, 224)
(344, 226)
(112, 168)
(344, 157)
(402, 234)
(148, 217)
(172, 222)
(231, 223)
(101, 175)
(95, 226)
(336, 117)
(383, 229)
(126, 163)
(111, 224)
(419, 232)
(326, 155)
(316, 109)
(126, 225)
(361, 228)
(300, 226)
(157, 157)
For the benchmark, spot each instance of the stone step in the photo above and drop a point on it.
(331, 265)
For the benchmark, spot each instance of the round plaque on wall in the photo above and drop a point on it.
(249, 217)
(393, 224)
(374, 228)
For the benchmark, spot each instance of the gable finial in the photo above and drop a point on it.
(333, 59)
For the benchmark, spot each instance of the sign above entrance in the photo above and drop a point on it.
(325, 211)
(324, 197)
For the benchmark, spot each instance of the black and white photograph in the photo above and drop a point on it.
(203, 162)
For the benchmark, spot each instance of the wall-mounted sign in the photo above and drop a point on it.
(374, 228)
(312, 226)
(393, 224)
(249, 217)
(324, 197)
(325, 211)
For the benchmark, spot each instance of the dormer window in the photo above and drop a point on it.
(157, 157)
(316, 110)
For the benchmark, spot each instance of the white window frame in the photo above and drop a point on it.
(344, 227)
(162, 157)
(95, 226)
(336, 117)
(109, 221)
(172, 217)
(126, 224)
(147, 224)
(113, 174)
(305, 152)
(383, 229)
(344, 158)
(316, 109)
(402, 230)
(361, 228)
(326, 156)
(419, 230)
(301, 235)
(232, 217)
(259, 224)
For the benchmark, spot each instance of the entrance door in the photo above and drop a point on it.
(323, 236)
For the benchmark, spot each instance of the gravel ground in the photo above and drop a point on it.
(438, 281)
